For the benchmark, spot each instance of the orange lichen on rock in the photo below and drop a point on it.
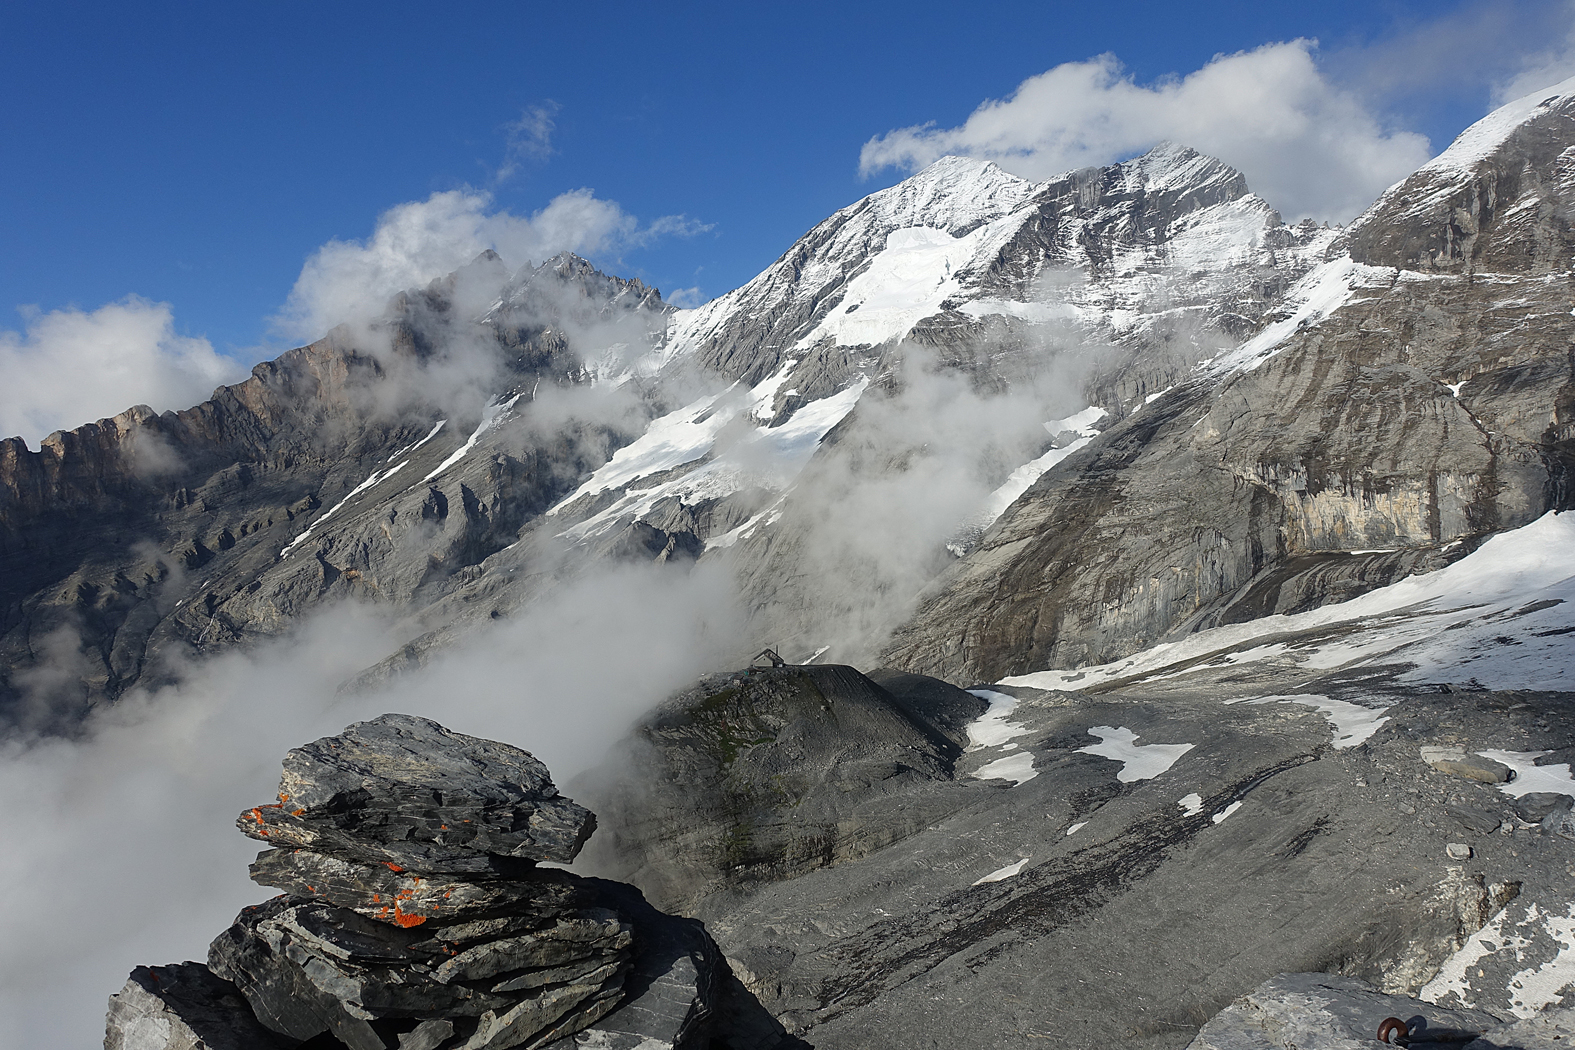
(407, 921)
(392, 866)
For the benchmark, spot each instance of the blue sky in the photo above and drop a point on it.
(199, 154)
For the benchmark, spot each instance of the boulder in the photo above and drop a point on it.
(1457, 761)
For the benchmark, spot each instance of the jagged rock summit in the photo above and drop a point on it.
(470, 945)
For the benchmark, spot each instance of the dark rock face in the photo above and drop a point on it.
(1430, 409)
(151, 533)
(768, 773)
(462, 947)
(1427, 412)
(1505, 211)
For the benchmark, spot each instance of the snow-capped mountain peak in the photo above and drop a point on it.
(1487, 135)
(955, 194)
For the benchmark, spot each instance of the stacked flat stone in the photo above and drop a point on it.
(415, 915)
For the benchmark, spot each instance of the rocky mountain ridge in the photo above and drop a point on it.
(1407, 416)
(201, 529)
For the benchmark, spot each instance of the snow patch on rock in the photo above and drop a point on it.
(1138, 761)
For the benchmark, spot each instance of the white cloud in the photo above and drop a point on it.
(1479, 53)
(1306, 145)
(418, 241)
(1554, 62)
(686, 298)
(71, 367)
(528, 140)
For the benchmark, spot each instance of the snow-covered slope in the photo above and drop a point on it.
(1127, 279)
(1498, 199)
(1500, 618)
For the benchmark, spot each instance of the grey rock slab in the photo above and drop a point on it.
(404, 898)
(1460, 763)
(939, 703)
(303, 980)
(1151, 917)
(674, 990)
(1535, 806)
(1479, 821)
(764, 773)
(283, 995)
(552, 1013)
(1319, 1011)
(182, 1006)
(428, 1035)
(585, 936)
(397, 781)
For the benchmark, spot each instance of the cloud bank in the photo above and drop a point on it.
(1306, 145)
(349, 282)
(124, 837)
(71, 367)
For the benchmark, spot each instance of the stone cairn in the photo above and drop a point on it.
(415, 914)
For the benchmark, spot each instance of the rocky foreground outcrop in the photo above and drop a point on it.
(417, 915)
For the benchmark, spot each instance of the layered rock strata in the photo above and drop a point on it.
(416, 916)
(414, 908)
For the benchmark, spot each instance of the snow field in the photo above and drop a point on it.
(1352, 723)
(1530, 777)
(1531, 989)
(1138, 761)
